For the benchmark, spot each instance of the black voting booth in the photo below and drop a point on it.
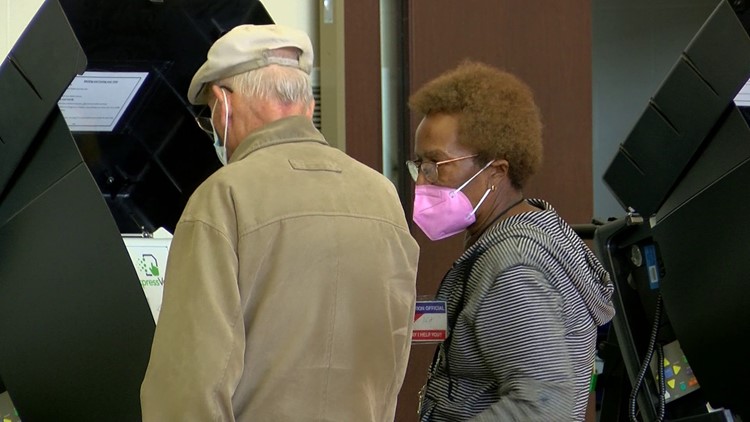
(679, 259)
(75, 326)
(155, 157)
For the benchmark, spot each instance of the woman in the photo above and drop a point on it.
(525, 298)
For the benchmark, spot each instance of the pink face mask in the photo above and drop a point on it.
(442, 212)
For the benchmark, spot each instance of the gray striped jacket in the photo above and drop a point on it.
(524, 303)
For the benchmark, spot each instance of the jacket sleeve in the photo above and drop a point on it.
(197, 353)
(520, 334)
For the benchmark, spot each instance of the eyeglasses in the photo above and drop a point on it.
(203, 118)
(429, 169)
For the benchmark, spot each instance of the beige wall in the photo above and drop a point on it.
(14, 16)
(301, 14)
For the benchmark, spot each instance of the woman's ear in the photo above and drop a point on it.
(499, 169)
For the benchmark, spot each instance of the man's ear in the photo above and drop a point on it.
(216, 91)
(219, 94)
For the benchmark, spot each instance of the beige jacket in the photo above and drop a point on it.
(289, 292)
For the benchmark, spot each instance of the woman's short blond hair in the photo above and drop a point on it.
(497, 116)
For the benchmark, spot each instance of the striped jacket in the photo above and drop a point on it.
(523, 305)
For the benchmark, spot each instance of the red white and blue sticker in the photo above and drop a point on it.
(430, 321)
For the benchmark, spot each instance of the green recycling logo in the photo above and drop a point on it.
(149, 265)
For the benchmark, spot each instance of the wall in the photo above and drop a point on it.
(14, 16)
(300, 14)
(635, 44)
(391, 77)
(548, 45)
(361, 131)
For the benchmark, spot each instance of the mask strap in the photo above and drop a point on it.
(475, 175)
(487, 192)
(213, 110)
(226, 118)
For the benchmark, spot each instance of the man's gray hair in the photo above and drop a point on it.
(275, 82)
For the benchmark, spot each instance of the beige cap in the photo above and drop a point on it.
(246, 47)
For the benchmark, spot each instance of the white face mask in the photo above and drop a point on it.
(219, 145)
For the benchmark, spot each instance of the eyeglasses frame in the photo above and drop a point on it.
(417, 165)
(203, 122)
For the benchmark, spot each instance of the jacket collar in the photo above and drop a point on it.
(283, 131)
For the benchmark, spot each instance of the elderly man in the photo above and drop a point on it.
(290, 286)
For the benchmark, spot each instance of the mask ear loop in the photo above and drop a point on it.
(487, 192)
(226, 118)
(475, 175)
(213, 110)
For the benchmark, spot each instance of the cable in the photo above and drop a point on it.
(662, 382)
(645, 366)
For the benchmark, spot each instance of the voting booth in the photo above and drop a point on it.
(678, 260)
(75, 330)
(99, 152)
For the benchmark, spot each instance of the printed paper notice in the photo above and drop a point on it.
(95, 101)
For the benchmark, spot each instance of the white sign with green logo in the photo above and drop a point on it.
(149, 258)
